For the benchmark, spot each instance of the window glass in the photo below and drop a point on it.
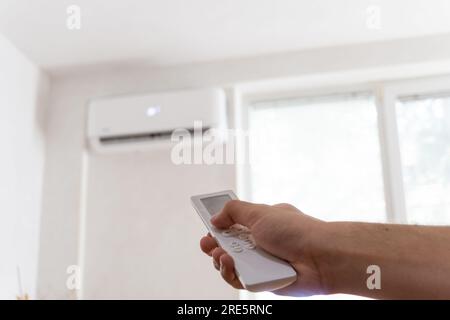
(320, 154)
(424, 135)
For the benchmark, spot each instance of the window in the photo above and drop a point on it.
(376, 155)
(424, 135)
(320, 154)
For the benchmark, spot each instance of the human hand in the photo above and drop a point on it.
(282, 230)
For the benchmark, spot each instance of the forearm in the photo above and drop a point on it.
(414, 260)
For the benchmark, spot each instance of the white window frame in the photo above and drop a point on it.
(392, 91)
(386, 94)
(387, 144)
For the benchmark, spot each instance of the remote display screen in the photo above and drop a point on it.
(215, 204)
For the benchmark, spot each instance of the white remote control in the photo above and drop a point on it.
(257, 269)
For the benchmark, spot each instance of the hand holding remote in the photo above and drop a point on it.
(282, 230)
(333, 257)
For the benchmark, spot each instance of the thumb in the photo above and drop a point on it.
(236, 211)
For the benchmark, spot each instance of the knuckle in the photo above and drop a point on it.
(284, 206)
(256, 209)
(228, 279)
(231, 205)
(216, 253)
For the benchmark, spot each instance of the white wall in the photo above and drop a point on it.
(168, 198)
(72, 89)
(141, 233)
(22, 93)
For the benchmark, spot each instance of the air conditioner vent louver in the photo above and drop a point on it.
(162, 135)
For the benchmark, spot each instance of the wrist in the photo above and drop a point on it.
(345, 252)
(333, 251)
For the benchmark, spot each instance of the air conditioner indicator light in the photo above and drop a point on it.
(153, 111)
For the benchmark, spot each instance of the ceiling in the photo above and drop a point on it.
(171, 32)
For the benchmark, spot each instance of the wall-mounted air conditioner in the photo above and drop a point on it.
(138, 122)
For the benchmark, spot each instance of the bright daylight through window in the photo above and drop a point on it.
(424, 132)
(308, 139)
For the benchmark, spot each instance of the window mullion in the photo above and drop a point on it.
(391, 158)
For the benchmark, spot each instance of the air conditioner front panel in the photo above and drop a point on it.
(155, 113)
(130, 122)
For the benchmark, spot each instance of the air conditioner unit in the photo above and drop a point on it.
(144, 121)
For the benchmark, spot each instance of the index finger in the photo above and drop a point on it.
(236, 211)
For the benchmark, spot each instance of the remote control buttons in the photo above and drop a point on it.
(228, 233)
(238, 249)
(242, 233)
(238, 228)
(243, 236)
(235, 244)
